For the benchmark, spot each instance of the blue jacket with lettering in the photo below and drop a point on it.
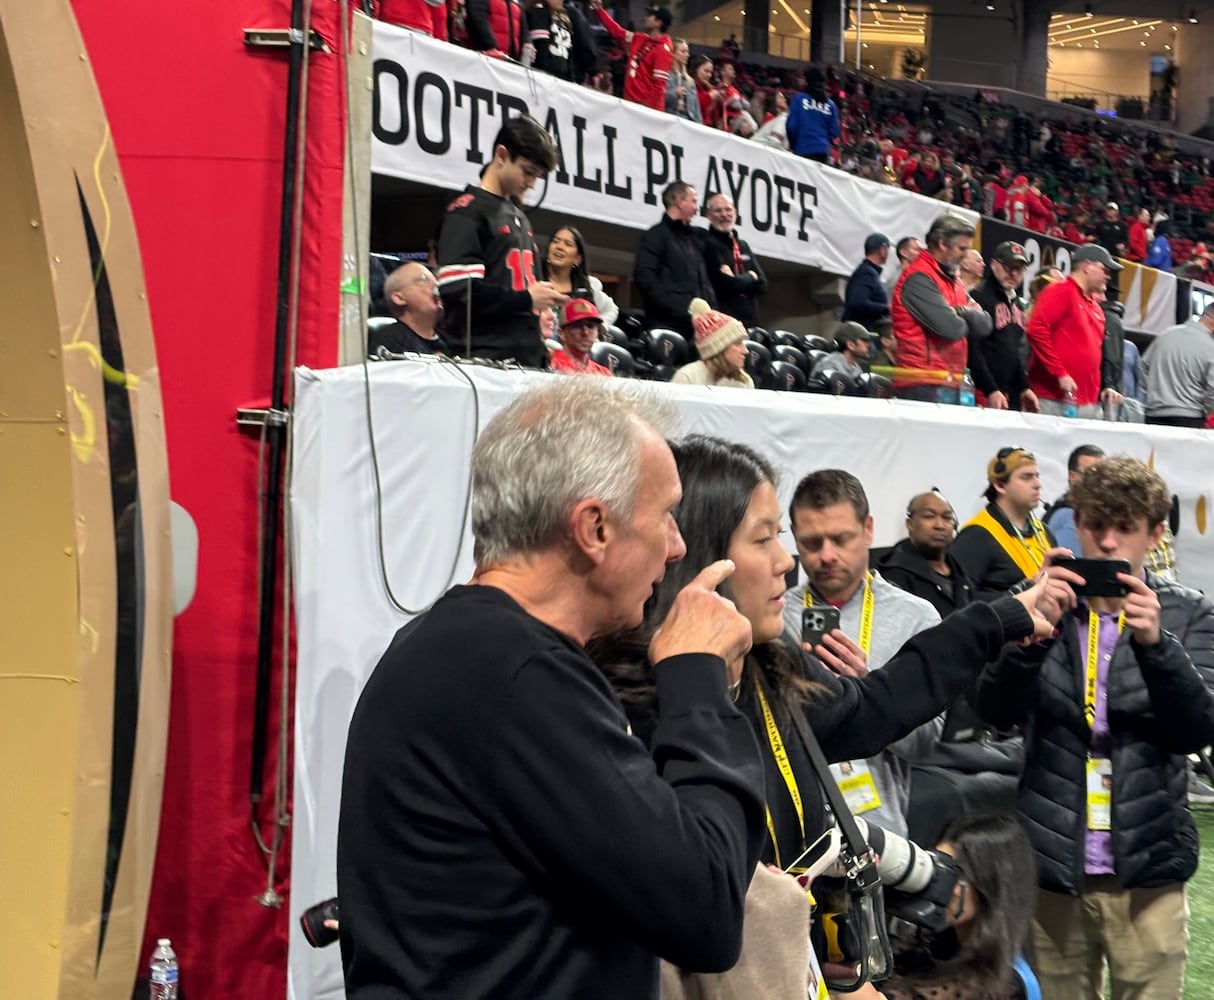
(812, 125)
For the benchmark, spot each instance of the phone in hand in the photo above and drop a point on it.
(1100, 576)
(816, 622)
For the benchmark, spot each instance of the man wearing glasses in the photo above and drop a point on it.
(1066, 332)
(735, 272)
(998, 372)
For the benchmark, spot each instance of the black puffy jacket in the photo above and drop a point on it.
(1160, 708)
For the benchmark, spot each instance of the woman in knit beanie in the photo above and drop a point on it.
(721, 342)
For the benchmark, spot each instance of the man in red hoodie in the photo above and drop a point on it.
(1066, 332)
(1137, 250)
(650, 54)
(1041, 207)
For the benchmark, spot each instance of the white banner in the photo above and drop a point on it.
(425, 415)
(437, 108)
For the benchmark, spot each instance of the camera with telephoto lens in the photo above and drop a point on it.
(917, 888)
(312, 922)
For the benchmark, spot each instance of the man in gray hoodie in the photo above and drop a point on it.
(1179, 371)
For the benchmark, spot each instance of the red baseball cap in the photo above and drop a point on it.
(577, 310)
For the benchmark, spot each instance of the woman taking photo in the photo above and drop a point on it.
(988, 917)
(564, 264)
(730, 510)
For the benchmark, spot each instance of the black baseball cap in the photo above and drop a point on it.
(662, 14)
(1094, 251)
(1009, 252)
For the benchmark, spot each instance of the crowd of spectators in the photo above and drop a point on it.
(1060, 178)
(953, 327)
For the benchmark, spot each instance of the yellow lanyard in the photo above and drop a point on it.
(1089, 692)
(866, 613)
(779, 752)
(1041, 544)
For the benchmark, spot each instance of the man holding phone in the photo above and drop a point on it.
(854, 622)
(1112, 707)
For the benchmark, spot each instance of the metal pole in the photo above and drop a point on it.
(859, 18)
(276, 429)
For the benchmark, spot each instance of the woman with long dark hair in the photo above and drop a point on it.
(730, 510)
(989, 917)
(565, 265)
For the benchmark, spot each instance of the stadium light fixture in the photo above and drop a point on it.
(1088, 12)
(1192, 15)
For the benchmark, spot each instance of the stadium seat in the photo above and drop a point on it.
(668, 348)
(787, 377)
(613, 357)
(814, 358)
(788, 338)
(760, 336)
(815, 343)
(632, 324)
(614, 335)
(874, 386)
(830, 382)
(758, 364)
(791, 355)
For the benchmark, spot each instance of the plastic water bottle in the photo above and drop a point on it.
(1070, 405)
(965, 394)
(163, 972)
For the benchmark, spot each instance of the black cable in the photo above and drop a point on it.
(379, 494)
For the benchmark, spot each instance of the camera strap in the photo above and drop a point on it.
(875, 959)
(855, 841)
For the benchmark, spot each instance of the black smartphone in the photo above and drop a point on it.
(816, 622)
(1100, 576)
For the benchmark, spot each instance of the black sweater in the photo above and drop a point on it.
(995, 362)
(503, 834)
(737, 294)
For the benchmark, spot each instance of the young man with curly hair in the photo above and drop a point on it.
(1111, 707)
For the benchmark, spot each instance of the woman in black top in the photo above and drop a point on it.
(730, 510)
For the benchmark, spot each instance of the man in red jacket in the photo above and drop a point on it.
(650, 54)
(1066, 331)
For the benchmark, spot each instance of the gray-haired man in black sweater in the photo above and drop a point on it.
(502, 832)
